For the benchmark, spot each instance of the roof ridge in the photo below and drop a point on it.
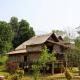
(35, 40)
(43, 34)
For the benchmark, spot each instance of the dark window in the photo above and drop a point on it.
(25, 58)
(50, 49)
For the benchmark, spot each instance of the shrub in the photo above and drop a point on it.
(16, 76)
(8, 77)
(1, 63)
(20, 73)
(68, 74)
(36, 71)
(75, 70)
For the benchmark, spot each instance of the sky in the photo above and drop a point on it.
(43, 15)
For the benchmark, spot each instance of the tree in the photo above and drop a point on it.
(5, 37)
(25, 32)
(22, 31)
(77, 44)
(73, 55)
(67, 38)
(63, 34)
(78, 30)
(14, 24)
(71, 58)
(15, 27)
(59, 32)
(44, 58)
(14, 33)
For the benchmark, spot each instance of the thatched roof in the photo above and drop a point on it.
(18, 51)
(39, 40)
(59, 43)
(35, 40)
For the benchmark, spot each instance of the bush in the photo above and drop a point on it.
(16, 76)
(20, 73)
(7, 76)
(1, 63)
(75, 70)
(68, 74)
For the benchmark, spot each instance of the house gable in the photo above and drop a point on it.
(53, 37)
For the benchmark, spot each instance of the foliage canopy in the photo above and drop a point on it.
(14, 33)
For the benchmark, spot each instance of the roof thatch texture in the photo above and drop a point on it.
(34, 40)
(18, 51)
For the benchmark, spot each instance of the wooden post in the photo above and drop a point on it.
(53, 68)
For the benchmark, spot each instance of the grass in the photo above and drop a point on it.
(2, 68)
(3, 60)
(54, 77)
(3, 73)
(2, 65)
(45, 77)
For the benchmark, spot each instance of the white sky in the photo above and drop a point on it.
(43, 15)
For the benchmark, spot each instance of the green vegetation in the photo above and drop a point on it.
(12, 34)
(5, 37)
(16, 32)
(59, 32)
(40, 64)
(16, 76)
(68, 74)
(22, 31)
(62, 34)
(3, 60)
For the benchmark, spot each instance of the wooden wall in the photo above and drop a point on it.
(16, 58)
(20, 57)
(33, 53)
(34, 48)
(57, 49)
